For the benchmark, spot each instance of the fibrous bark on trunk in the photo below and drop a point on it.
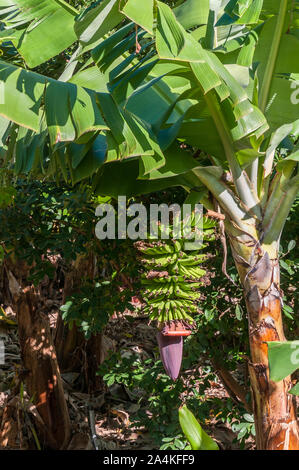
(41, 372)
(9, 429)
(274, 408)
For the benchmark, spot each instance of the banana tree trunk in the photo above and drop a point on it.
(274, 408)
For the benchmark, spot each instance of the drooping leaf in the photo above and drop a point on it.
(39, 30)
(97, 21)
(121, 178)
(170, 36)
(291, 160)
(144, 16)
(129, 136)
(177, 163)
(191, 14)
(71, 111)
(22, 94)
(93, 160)
(197, 437)
(241, 12)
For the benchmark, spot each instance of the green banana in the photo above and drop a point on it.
(169, 297)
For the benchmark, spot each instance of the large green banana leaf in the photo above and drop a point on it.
(155, 88)
(181, 85)
(273, 47)
(38, 29)
(97, 20)
(65, 112)
(69, 110)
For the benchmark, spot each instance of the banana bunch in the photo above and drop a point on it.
(172, 279)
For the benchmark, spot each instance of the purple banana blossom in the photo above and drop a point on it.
(171, 352)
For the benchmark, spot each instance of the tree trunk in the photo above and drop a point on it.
(74, 352)
(274, 408)
(69, 344)
(41, 372)
(69, 341)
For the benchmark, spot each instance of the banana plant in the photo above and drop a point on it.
(218, 77)
(233, 102)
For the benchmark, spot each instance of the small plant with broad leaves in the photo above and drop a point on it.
(244, 428)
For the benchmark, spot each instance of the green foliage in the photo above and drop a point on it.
(96, 301)
(182, 87)
(45, 220)
(159, 397)
(148, 384)
(80, 4)
(244, 428)
(90, 309)
(43, 223)
(7, 196)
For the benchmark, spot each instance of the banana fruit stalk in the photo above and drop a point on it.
(172, 279)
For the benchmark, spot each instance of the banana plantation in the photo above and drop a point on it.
(117, 332)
